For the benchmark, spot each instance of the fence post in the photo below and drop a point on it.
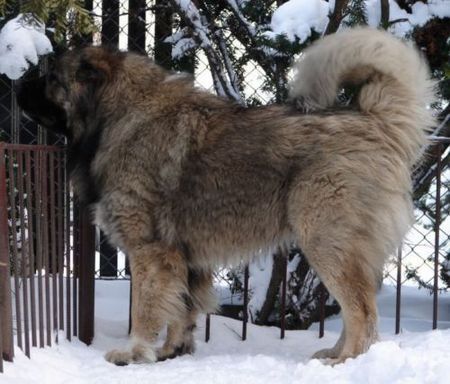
(110, 22)
(6, 332)
(437, 228)
(86, 276)
(283, 294)
(208, 327)
(398, 299)
(1, 343)
(245, 308)
(322, 303)
(136, 25)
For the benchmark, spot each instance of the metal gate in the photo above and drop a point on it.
(46, 255)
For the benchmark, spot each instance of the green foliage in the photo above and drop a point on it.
(444, 76)
(259, 11)
(357, 14)
(8, 9)
(433, 39)
(65, 17)
(2, 8)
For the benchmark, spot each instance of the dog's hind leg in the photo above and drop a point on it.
(180, 337)
(343, 272)
(341, 245)
(160, 284)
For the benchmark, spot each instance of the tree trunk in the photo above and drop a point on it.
(278, 270)
(163, 29)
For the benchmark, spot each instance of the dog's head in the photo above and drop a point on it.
(80, 84)
(32, 98)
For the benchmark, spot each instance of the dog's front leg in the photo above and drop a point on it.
(159, 287)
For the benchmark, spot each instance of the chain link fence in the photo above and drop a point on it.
(146, 27)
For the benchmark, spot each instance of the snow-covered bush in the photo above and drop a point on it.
(22, 41)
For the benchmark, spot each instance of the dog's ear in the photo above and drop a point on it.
(87, 73)
(96, 66)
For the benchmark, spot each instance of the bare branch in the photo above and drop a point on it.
(336, 17)
(384, 4)
(392, 22)
(246, 35)
(205, 36)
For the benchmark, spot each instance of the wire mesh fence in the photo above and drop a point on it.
(148, 27)
(145, 27)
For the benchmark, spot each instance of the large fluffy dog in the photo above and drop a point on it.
(183, 180)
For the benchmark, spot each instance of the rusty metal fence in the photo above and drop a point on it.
(41, 268)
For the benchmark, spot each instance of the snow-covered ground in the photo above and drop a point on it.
(417, 355)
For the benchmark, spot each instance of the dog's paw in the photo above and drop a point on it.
(119, 357)
(327, 353)
(170, 352)
(334, 361)
(138, 354)
(331, 356)
(338, 360)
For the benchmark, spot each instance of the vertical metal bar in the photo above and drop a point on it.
(38, 201)
(399, 291)
(31, 237)
(322, 310)
(24, 251)
(208, 327)
(53, 266)
(283, 295)
(87, 277)
(46, 253)
(7, 346)
(245, 309)
(136, 25)
(437, 227)
(42, 132)
(61, 239)
(67, 232)
(130, 320)
(1, 336)
(76, 233)
(15, 259)
(15, 115)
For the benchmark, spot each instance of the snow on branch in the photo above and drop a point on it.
(181, 43)
(297, 18)
(22, 41)
(401, 22)
(213, 43)
(235, 8)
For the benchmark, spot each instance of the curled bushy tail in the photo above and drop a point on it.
(394, 78)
